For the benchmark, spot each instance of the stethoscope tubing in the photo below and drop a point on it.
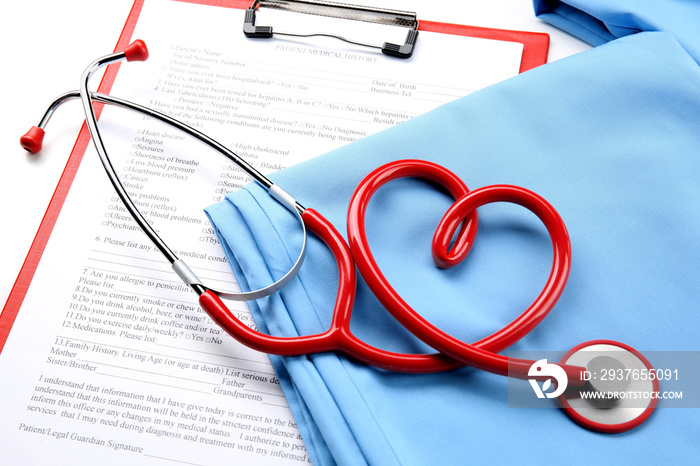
(462, 215)
(338, 337)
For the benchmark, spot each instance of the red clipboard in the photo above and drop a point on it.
(535, 51)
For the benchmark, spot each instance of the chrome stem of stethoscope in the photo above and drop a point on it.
(91, 120)
(137, 51)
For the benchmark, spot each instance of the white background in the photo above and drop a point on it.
(46, 46)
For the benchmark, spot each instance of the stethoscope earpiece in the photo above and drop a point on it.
(33, 140)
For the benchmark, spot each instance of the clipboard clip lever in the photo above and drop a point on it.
(342, 11)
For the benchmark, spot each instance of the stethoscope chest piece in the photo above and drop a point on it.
(620, 391)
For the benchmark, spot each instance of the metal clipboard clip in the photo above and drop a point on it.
(403, 19)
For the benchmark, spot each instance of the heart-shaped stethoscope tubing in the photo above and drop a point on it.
(339, 337)
(460, 222)
(462, 214)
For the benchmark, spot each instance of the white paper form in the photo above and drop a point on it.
(110, 358)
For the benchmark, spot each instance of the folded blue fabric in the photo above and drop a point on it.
(611, 139)
(600, 21)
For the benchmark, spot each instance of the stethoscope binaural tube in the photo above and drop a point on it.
(32, 141)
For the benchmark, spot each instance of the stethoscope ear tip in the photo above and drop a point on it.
(136, 51)
(33, 140)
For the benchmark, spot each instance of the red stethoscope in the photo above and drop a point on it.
(451, 243)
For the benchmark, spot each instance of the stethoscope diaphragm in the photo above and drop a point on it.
(621, 390)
